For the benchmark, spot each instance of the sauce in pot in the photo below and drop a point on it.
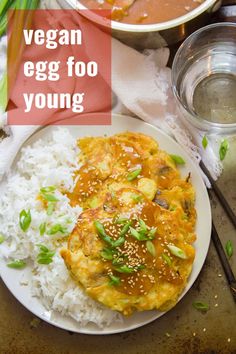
(144, 11)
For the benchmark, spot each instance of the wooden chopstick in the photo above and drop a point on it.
(219, 195)
(215, 237)
(224, 261)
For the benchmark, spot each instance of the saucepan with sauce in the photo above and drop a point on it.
(152, 23)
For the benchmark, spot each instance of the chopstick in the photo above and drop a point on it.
(224, 261)
(215, 237)
(219, 195)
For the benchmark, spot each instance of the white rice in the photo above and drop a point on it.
(50, 161)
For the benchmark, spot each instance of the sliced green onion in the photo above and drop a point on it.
(45, 260)
(124, 269)
(137, 197)
(17, 264)
(176, 251)
(47, 189)
(177, 159)
(107, 254)
(114, 280)
(151, 248)
(42, 228)
(118, 242)
(50, 208)
(45, 255)
(201, 306)
(2, 239)
(25, 220)
(137, 235)
(49, 197)
(152, 232)
(47, 193)
(125, 229)
(224, 147)
(118, 261)
(102, 233)
(56, 228)
(121, 220)
(166, 259)
(143, 226)
(140, 236)
(134, 174)
(229, 248)
(42, 248)
(172, 207)
(204, 142)
(141, 266)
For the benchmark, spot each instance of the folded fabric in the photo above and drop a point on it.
(142, 85)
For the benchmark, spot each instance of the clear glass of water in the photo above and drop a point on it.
(204, 78)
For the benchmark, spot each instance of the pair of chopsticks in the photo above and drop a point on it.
(215, 237)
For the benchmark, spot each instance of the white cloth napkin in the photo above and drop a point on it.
(141, 82)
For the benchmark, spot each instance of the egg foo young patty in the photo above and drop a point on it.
(131, 248)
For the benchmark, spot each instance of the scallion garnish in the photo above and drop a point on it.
(113, 243)
(107, 254)
(141, 236)
(151, 234)
(25, 220)
(56, 228)
(17, 264)
(49, 189)
(137, 197)
(49, 197)
(47, 194)
(176, 251)
(114, 280)
(42, 228)
(151, 248)
(134, 174)
(143, 227)
(137, 235)
(204, 142)
(124, 269)
(125, 228)
(166, 259)
(2, 239)
(229, 248)
(224, 147)
(50, 208)
(121, 220)
(177, 159)
(118, 242)
(201, 306)
(102, 233)
(45, 255)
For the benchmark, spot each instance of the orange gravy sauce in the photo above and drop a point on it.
(134, 253)
(144, 11)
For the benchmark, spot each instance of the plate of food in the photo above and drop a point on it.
(103, 229)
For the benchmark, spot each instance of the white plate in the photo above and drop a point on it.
(12, 277)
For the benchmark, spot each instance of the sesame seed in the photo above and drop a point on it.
(204, 329)
(229, 340)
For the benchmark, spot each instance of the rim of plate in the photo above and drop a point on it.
(155, 314)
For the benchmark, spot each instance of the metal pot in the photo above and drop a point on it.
(159, 34)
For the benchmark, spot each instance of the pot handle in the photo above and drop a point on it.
(216, 6)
